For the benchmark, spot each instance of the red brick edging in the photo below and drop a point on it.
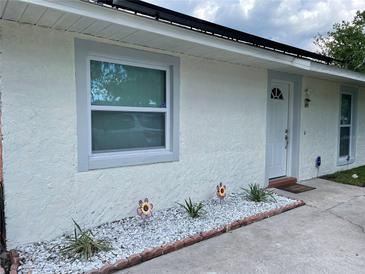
(15, 261)
(151, 253)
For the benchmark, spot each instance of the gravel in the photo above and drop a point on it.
(131, 235)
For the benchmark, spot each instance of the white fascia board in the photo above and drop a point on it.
(336, 71)
(145, 24)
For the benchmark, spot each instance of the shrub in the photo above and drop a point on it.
(194, 210)
(256, 193)
(83, 243)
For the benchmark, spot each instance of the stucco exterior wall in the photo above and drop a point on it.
(320, 128)
(222, 138)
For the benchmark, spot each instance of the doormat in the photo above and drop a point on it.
(296, 188)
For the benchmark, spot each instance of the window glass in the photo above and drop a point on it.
(276, 94)
(344, 141)
(117, 131)
(346, 109)
(124, 85)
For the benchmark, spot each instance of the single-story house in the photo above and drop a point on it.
(107, 102)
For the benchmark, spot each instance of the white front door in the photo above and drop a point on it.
(278, 138)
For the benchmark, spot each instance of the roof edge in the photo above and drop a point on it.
(192, 23)
(107, 14)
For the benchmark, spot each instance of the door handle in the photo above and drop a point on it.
(286, 137)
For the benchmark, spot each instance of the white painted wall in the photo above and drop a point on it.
(319, 128)
(222, 138)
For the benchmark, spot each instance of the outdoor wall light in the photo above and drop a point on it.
(307, 97)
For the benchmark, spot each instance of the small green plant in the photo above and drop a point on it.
(83, 243)
(256, 193)
(194, 210)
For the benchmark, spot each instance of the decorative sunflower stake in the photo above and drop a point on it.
(144, 209)
(221, 191)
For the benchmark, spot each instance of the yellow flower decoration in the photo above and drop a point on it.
(144, 208)
(221, 191)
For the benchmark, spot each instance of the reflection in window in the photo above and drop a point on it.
(344, 141)
(128, 107)
(114, 131)
(345, 127)
(124, 85)
(346, 109)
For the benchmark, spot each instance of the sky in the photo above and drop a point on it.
(293, 22)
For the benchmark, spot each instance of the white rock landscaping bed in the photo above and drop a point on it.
(131, 235)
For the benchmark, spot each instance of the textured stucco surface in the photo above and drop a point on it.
(222, 138)
(320, 128)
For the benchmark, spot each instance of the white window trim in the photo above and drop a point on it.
(89, 50)
(353, 126)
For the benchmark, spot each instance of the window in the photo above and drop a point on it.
(276, 94)
(346, 150)
(129, 110)
(127, 106)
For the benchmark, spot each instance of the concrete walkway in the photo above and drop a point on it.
(325, 236)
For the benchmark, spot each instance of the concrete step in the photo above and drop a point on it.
(282, 181)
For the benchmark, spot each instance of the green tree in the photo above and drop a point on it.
(345, 43)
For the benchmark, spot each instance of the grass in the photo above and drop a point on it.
(257, 194)
(345, 177)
